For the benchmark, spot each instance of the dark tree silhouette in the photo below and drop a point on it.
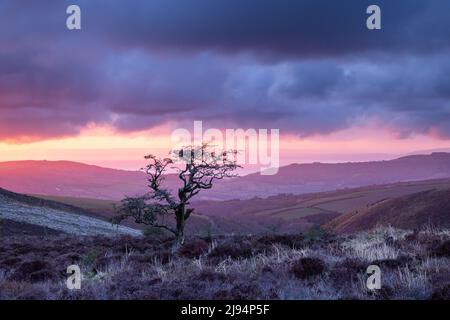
(197, 168)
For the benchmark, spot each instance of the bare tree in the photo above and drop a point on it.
(198, 167)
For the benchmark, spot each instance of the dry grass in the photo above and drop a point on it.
(142, 268)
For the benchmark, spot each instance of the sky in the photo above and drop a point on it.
(115, 90)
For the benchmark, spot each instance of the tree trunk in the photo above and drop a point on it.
(179, 236)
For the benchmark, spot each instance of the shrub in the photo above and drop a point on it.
(305, 268)
(34, 271)
(240, 291)
(24, 249)
(245, 291)
(292, 241)
(442, 293)
(232, 250)
(315, 233)
(102, 263)
(32, 266)
(210, 275)
(68, 259)
(193, 249)
(33, 293)
(163, 256)
(347, 272)
(90, 258)
(392, 263)
(10, 262)
(43, 275)
(385, 293)
(443, 250)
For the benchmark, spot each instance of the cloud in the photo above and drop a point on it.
(306, 67)
(305, 28)
(275, 28)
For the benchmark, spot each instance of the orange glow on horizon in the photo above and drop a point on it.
(106, 147)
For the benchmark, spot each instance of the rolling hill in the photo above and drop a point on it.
(403, 205)
(281, 213)
(430, 207)
(297, 213)
(65, 178)
(317, 177)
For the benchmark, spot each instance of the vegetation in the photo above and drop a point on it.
(414, 265)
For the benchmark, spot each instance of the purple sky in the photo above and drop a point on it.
(306, 67)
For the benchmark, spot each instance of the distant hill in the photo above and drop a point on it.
(431, 207)
(65, 178)
(316, 177)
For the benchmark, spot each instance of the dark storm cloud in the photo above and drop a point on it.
(277, 28)
(307, 27)
(274, 28)
(311, 80)
(41, 98)
(302, 66)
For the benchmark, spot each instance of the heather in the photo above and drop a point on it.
(414, 263)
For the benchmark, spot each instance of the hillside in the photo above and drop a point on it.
(64, 178)
(19, 211)
(199, 224)
(281, 213)
(431, 207)
(67, 178)
(317, 177)
(297, 213)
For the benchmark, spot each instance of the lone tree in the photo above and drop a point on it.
(197, 167)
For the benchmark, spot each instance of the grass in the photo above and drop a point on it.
(373, 245)
(319, 266)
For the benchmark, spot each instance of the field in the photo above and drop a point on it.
(407, 211)
(414, 265)
(297, 213)
(282, 213)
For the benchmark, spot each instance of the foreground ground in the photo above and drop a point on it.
(415, 265)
